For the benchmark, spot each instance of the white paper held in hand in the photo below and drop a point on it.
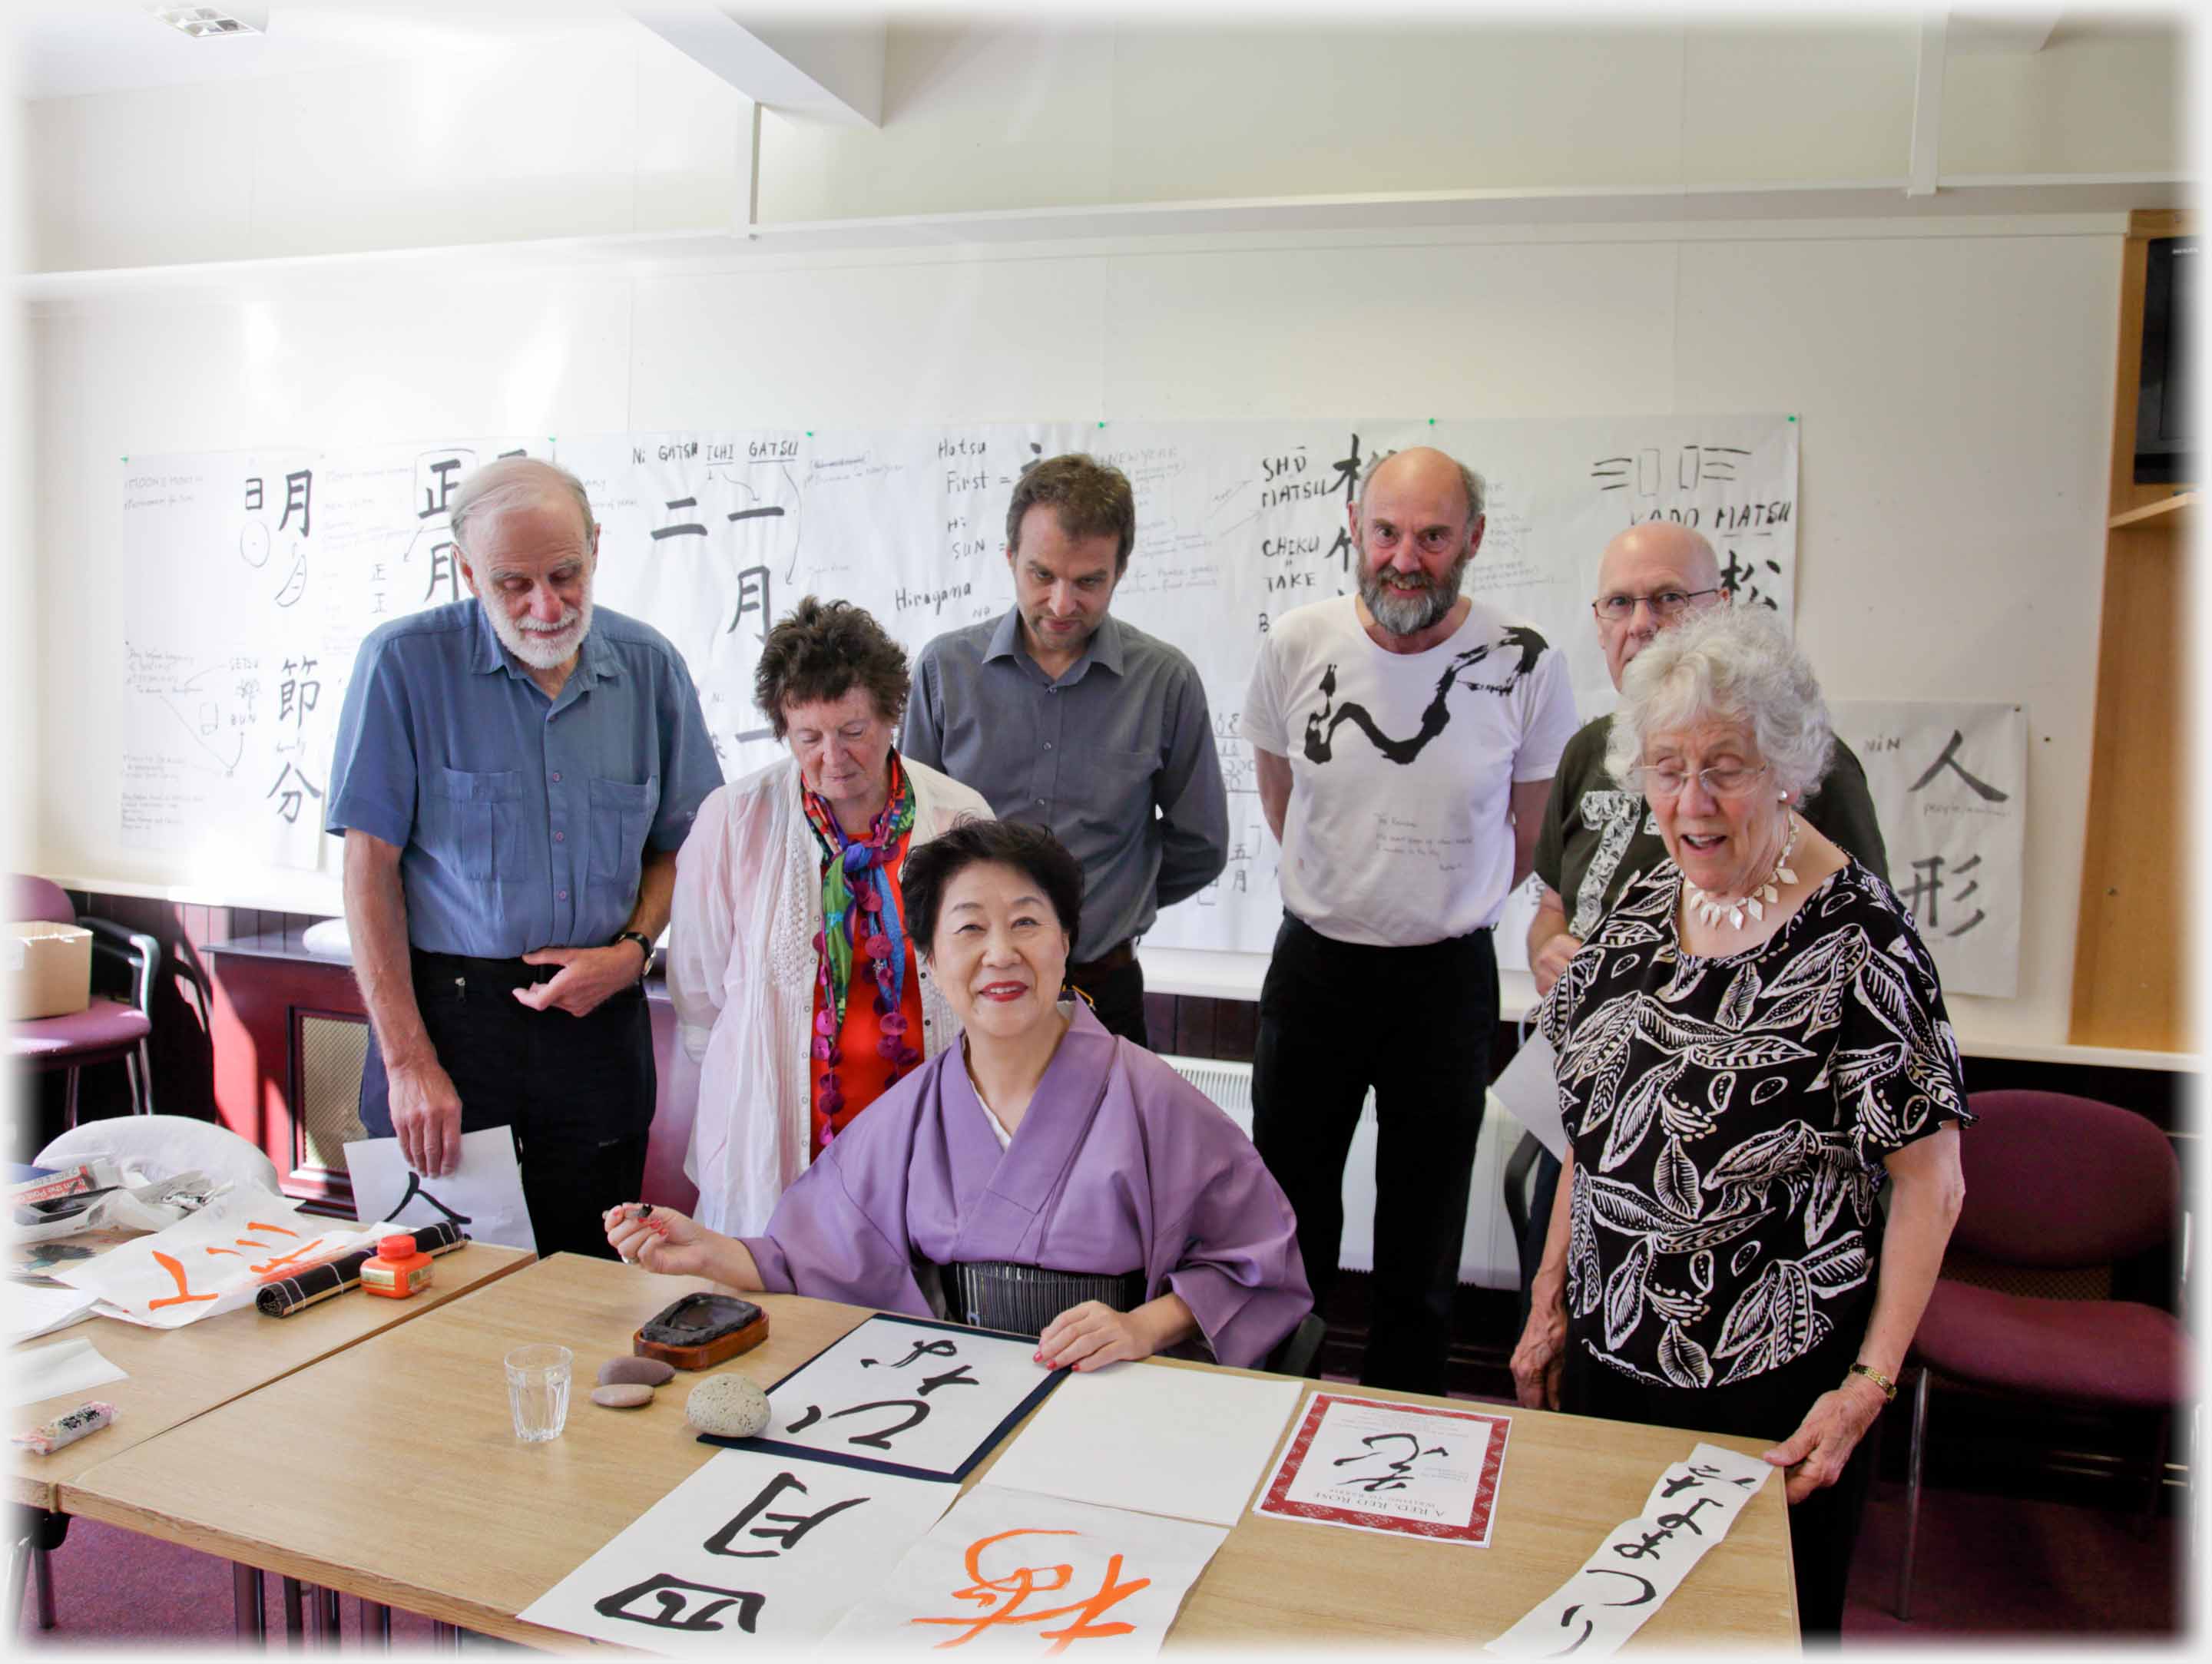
(1529, 1087)
(483, 1194)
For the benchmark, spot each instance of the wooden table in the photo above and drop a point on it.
(178, 1374)
(439, 1510)
(175, 1374)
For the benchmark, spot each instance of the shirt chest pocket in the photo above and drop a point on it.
(621, 817)
(476, 823)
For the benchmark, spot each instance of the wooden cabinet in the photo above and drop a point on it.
(290, 1033)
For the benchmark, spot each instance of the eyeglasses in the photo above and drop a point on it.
(1620, 608)
(1722, 779)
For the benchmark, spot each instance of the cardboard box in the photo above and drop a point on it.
(46, 969)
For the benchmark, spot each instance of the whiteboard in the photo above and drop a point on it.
(254, 576)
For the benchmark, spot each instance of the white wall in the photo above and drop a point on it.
(572, 126)
(574, 131)
(980, 116)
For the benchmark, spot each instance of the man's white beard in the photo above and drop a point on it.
(542, 650)
(1403, 613)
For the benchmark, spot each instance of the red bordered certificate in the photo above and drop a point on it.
(1403, 1469)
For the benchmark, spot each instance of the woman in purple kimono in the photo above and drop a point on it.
(1045, 1176)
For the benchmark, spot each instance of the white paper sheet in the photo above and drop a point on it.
(1529, 1087)
(1404, 1469)
(1016, 1575)
(1189, 1442)
(483, 1194)
(33, 1311)
(66, 1366)
(750, 1551)
(1642, 1561)
(210, 1262)
(923, 1397)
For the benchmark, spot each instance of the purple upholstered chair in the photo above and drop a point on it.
(2059, 1189)
(107, 1030)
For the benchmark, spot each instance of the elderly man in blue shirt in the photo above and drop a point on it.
(514, 776)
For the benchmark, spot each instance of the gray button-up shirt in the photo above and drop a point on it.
(1115, 758)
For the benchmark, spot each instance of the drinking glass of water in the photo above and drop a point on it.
(537, 1391)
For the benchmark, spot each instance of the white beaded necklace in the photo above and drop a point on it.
(1713, 910)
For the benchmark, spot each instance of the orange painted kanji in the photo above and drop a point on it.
(1017, 1586)
(256, 1224)
(232, 1253)
(184, 1296)
(308, 1252)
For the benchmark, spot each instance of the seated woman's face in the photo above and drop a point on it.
(1723, 823)
(842, 746)
(999, 954)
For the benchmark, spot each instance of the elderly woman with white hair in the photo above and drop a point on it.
(1750, 1045)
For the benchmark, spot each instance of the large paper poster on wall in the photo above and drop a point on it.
(1949, 784)
(257, 576)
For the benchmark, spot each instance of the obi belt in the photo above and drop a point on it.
(997, 1294)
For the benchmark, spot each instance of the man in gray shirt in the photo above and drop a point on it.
(1068, 718)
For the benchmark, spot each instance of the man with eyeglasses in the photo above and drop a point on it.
(1596, 837)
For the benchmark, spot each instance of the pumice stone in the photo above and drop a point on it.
(730, 1407)
(646, 1371)
(623, 1395)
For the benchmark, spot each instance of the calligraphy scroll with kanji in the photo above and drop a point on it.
(1949, 785)
(903, 1395)
(1407, 1469)
(212, 1261)
(751, 1551)
(1642, 1561)
(1017, 1575)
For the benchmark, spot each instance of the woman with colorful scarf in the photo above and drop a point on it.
(790, 965)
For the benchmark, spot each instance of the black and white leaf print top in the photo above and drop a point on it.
(1729, 1117)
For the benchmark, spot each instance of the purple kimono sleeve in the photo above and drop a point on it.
(822, 1243)
(1233, 1254)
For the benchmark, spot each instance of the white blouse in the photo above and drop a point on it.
(741, 972)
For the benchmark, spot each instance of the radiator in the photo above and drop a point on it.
(1489, 1257)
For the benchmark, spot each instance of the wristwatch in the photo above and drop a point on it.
(645, 946)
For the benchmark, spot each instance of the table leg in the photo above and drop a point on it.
(246, 1603)
(376, 1626)
(42, 1577)
(294, 1628)
(39, 1531)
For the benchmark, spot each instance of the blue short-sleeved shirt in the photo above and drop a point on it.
(523, 821)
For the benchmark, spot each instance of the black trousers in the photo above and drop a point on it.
(1117, 999)
(577, 1091)
(1413, 1024)
(1824, 1528)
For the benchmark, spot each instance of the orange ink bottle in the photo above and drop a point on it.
(396, 1269)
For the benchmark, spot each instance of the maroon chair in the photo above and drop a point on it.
(2059, 1189)
(108, 1030)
